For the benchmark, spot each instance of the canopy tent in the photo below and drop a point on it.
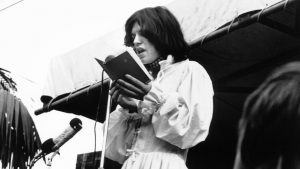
(238, 42)
(77, 69)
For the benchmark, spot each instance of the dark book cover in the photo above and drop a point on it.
(125, 63)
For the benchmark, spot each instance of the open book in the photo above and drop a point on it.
(125, 63)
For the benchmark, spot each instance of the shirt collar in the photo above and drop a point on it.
(167, 62)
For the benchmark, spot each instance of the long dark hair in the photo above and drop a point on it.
(161, 28)
(270, 124)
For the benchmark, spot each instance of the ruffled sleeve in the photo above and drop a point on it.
(120, 134)
(182, 117)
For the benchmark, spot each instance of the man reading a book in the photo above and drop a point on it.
(156, 123)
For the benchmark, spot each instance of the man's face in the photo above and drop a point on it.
(144, 49)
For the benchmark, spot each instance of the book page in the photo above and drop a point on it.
(138, 61)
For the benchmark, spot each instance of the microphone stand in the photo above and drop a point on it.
(42, 155)
(108, 109)
(36, 158)
(49, 160)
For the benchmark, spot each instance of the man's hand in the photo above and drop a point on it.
(132, 87)
(125, 102)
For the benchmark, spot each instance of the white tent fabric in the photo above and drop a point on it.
(77, 68)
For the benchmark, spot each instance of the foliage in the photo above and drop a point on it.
(19, 139)
(6, 82)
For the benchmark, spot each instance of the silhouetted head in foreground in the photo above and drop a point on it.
(269, 130)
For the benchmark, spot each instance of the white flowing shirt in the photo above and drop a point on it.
(174, 116)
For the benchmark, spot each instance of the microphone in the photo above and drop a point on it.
(109, 58)
(52, 145)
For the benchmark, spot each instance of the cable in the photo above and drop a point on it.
(285, 4)
(10, 5)
(233, 20)
(106, 124)
(95, 125)
(260, 13)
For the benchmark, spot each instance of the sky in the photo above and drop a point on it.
(34, 31)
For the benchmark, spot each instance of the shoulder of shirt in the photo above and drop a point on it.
(193, 64)
(196, 67)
